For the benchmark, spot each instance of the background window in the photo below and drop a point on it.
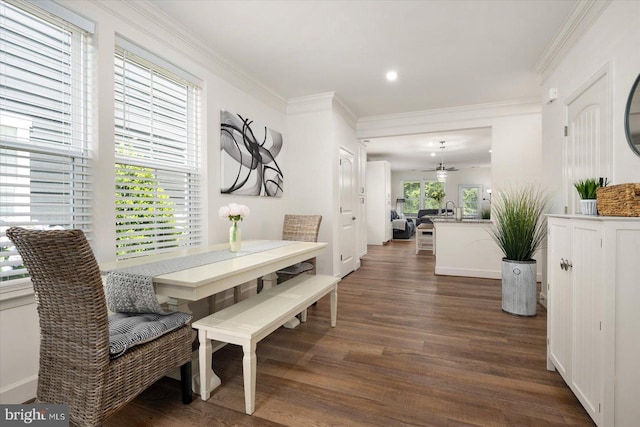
(44, 87)
(411, 195)
(469, 199)
(157, 157)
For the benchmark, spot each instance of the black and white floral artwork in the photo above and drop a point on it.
(249, 157)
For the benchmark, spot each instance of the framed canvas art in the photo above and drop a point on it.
(249, 157)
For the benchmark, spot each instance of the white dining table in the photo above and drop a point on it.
(181, 287)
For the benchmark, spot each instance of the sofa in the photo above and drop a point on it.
(424, 214)
(403, 228)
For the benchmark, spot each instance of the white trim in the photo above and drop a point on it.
(19, 392)
(311, 103)
(341, 108)
(16, 295)
(580, 20)
(158, 61)
(414, 122)
(64, 13)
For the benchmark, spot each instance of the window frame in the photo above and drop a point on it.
(407, 199)
(461, 202)
(46, 163)
(160, 150)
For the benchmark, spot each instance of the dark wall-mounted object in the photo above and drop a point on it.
(632, 117)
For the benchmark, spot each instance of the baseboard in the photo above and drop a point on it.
(469, 272)
(19, 392)
(543, 300)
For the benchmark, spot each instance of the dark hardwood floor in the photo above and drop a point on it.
(410, 349)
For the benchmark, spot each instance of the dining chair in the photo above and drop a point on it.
(76, 366)
(302, 228)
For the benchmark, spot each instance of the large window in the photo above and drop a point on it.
(44, 87)
(157, 156)
(411, 195)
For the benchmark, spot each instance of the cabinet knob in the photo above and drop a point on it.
(565, 264)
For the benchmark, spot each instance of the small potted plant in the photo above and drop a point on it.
(519, 230)
(587, 191)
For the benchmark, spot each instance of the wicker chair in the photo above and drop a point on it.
(302, 228)
(75, 366)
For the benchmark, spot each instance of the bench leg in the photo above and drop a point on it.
(204, 361)
(249, 374)
(334, 306)
(208, 380)
(303, 316)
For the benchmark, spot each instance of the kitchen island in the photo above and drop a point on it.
(465, 248)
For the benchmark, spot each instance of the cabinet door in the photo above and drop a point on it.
(588, 284)
(559, 304)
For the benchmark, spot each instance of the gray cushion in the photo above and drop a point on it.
(127, 330)
(298, 268)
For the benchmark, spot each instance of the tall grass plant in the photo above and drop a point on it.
(519, 226)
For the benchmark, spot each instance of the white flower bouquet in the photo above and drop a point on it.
(234, 212)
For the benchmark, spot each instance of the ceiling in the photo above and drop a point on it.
(446, 53)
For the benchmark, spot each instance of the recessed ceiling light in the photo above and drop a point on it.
(433, 154)
(489, 150)
(392, 75)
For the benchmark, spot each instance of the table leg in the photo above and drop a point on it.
(269, 281)
(198, 310)
(249, 375)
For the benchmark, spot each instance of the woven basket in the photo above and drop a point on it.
(619, 200)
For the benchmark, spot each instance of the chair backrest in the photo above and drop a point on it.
(303, 228)
(74, 324)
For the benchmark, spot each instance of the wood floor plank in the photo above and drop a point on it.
(410, 349)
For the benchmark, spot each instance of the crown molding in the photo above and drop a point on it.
(415, 122)
(582, 17)
(311, 103)
(344, 111)
(199, 52)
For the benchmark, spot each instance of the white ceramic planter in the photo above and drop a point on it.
(589, 207)
(519, 287)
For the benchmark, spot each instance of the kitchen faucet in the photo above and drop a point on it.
(446, 213)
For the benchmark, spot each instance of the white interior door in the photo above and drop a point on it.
(347, 214)
(587, 150)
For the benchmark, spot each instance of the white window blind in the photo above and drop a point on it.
(157, 121)
(44, 126)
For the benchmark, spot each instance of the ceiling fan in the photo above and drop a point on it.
(441, 167)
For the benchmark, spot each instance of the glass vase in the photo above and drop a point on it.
(235, 237)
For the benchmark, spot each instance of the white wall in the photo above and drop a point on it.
(318, 127)
(19, 333)
(613, 42)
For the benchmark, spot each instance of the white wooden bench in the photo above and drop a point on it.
(251, 320)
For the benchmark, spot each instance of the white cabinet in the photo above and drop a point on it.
(378, 188)
(593, 313)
